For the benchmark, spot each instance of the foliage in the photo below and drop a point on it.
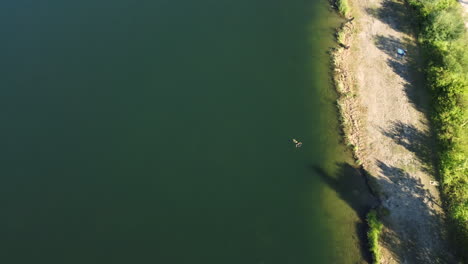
(373, 234)
(343, 7)
(340, 37)
(443, 37)
(444, 26)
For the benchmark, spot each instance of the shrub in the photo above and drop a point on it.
(373, 234)
(444, 25)
(444, 38)
(343, 7)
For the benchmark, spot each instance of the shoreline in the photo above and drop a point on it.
(349, 111)
(347, 103)
(390, 172)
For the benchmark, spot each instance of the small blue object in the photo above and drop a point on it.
(401, 52)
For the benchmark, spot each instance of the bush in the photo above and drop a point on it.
(373, 234)
(343, 7)
(444, 25)
(340, 37)
(443, 37)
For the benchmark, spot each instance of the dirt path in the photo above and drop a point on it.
(393, 138)
(464, 4)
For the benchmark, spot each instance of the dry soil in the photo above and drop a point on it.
(393, 136)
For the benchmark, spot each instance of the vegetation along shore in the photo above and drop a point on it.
(401, 72)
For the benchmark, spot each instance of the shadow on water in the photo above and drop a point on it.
(419, 210)
(416, 141)
(351, 186)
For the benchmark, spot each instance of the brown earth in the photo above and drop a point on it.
(384, 105)
(464, 4)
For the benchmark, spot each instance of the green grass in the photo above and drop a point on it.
(340, 37)
(443, 38)
(374, 225)
(343, 7)
(373, 234)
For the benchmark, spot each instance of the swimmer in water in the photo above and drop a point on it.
(298, 144)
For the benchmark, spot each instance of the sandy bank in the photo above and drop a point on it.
(384, 108)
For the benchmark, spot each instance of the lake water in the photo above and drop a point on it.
(161, 132)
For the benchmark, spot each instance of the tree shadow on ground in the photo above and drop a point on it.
(413, 225)
(416, 212)
(395, 13)
(418, 142)
(407, 67)
(405, 180)
(390, 44)
(351, 186)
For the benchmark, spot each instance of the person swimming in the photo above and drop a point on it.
(298, 143)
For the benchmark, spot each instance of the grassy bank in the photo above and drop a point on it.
(347, 107)
(443, 38)
(373, 234)
(343, 85)
(343, 7)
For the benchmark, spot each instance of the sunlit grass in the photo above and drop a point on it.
(373, 234)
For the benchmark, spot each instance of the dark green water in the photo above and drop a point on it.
(160, 132)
